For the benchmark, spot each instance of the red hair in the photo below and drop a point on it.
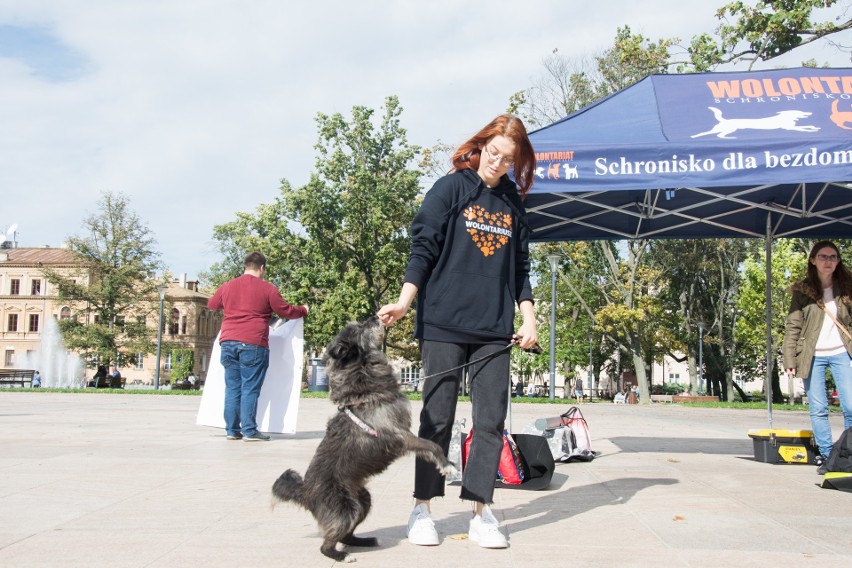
(468, 154)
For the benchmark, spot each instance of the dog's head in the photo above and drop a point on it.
(358, 344)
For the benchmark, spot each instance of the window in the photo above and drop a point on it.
(15, 287)
(12, 323)
(10, 358)
(204, 362)
(167, 366)
(409, 374)
(35, 287)
(175, 324)
(183, 325)
(140, 361)
(65, 313)
(33, 322)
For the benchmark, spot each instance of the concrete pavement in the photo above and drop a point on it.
(119, 480)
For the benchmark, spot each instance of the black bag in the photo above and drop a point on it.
(840, 458)
(539, 462)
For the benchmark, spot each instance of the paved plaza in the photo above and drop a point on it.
(118, 480)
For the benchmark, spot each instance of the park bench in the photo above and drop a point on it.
(16, 377)
(662, 398)
(108, 382)
(694, 398)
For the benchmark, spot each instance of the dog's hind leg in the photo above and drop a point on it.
(329, 548)
(338, 514)
(366, 501)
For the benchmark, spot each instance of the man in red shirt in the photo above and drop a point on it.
(248, 301)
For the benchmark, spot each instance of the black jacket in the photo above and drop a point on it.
(469, 260)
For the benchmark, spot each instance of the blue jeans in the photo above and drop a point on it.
(245, 368)
(489, 393)
(818, 400)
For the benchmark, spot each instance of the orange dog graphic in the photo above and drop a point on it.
(840, 117)
(553, 171)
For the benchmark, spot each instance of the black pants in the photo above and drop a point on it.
(489, 397)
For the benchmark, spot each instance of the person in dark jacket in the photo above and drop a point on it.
(818, 337)
(469, 269)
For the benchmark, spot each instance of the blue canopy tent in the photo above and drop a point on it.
(710, 155)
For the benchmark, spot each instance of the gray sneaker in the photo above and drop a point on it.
(822, 465)
(257, 437)
(236, 436)
(421, 529)
(485, 531)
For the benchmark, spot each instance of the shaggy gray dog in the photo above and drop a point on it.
(372, 429)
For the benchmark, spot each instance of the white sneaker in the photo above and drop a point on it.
(485, 531)
(421, 529)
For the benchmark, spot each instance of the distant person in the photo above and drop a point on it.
(99, 377)
(114, 377)
(519, 388)
(620, 397)
(817, 338)
(248, 302)
(578, 389)
(191, 379)
(36, 380)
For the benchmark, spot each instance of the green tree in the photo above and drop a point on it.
(339, 243)
(763, 32)
(112, 292)
(746, 34)
(183, 361)
(703, 278)
(788, 264)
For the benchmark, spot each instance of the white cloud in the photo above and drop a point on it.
(195, 109)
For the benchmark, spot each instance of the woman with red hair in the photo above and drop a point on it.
(469, 269)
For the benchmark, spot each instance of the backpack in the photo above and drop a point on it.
(840, 458)
(567, 435)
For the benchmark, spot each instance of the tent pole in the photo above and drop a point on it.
(769, 359)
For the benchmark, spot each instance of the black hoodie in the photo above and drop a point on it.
(469, 260)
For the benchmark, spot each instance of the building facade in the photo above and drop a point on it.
(28, 301)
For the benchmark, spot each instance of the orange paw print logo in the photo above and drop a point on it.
(489, 231)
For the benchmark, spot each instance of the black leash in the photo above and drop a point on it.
(534, 349)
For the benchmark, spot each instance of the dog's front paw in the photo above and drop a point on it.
(449, 470)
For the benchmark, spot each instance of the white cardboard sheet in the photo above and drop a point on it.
(278, 403)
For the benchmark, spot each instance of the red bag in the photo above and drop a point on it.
(512, 469)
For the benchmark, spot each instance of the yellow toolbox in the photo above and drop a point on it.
(783, 446)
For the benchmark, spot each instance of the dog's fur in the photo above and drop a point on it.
(783, 120)
(334, 487)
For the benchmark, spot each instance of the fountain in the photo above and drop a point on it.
(58, 367)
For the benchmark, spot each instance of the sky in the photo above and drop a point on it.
(196, 109)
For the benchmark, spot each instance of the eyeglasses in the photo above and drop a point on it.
(828, 257)
(495, 157)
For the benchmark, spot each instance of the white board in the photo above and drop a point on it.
(278, 403)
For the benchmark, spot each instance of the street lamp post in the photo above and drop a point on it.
(162, 291)
(591, 374)
(554, 259)
(700, 356)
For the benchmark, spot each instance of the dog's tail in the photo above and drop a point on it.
(716, 113)
(289, 487)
